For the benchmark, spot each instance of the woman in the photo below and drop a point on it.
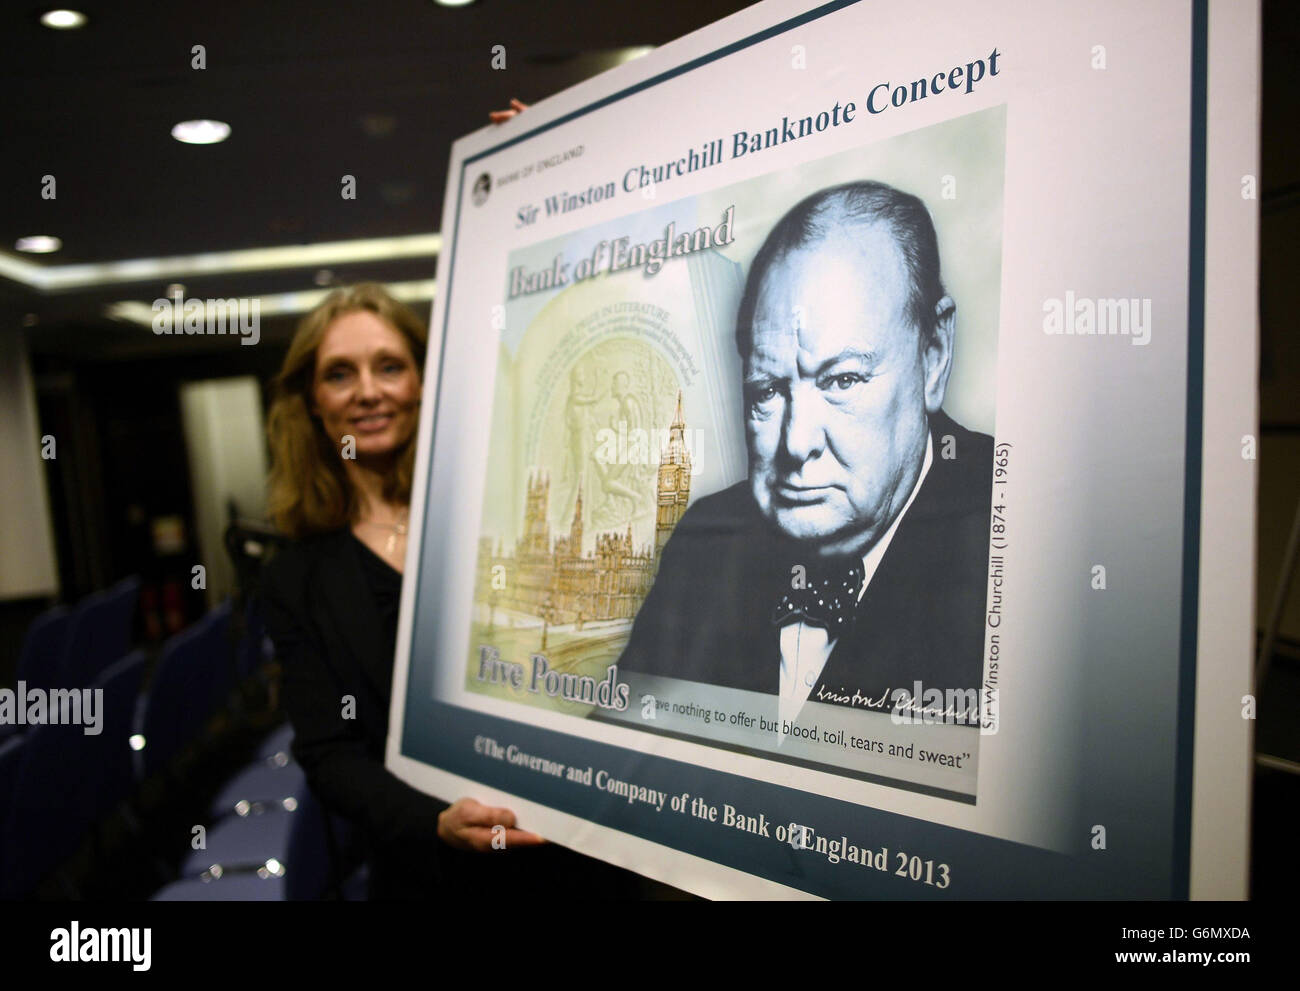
(342, 429)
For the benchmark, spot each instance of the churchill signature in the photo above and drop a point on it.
(824, 694)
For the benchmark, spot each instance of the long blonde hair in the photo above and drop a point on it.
(309, 491)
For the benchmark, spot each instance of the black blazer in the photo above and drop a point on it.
(330, 640)
(708, 617)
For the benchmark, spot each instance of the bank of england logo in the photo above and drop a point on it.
(482, 187)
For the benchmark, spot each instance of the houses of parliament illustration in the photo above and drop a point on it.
(551, 578)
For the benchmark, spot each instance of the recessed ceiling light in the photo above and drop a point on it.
(201, 132)
(63, 19)
(453, 3)
(38, 244)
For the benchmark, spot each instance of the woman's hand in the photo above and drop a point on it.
(468, 825)
(501, 116)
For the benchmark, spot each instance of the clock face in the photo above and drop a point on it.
(667, 480)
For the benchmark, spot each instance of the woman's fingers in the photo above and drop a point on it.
(469, 824)
(501, 116)
(484, 839)
(477, 814)
(522, 837)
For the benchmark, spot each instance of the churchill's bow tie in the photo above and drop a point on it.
(827, 598)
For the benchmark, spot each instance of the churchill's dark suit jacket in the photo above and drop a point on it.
(708, 617)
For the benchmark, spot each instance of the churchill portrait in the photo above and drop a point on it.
(853, 560)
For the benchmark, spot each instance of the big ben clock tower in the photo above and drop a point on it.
(674, 488)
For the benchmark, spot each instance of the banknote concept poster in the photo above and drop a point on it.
(815, 453)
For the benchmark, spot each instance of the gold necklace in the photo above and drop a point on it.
(399, 530)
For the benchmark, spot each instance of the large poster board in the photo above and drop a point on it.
(829, 420)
